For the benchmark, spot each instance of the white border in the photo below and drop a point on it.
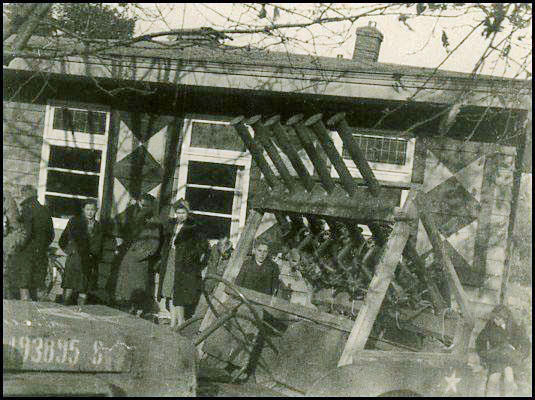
(56, 137)
(229, 157)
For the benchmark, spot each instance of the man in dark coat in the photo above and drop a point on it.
(186, 250)
(31, 262)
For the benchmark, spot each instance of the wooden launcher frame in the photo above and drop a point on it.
(336, 201)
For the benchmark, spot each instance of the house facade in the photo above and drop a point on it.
(151, 119)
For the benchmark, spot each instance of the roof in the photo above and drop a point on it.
(206, 52)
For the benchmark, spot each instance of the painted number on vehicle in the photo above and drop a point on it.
(52, 350)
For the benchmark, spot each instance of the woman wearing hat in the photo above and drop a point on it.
(184, 256)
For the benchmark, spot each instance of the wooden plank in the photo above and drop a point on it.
(384, 274)
(24, 106)
(23, 139)
(234, 265)
(442, 257)
(281, 305)
(113, 139)
(262, 134)
(305, 137)
(22, 153)
(324, 138)
(21, 167)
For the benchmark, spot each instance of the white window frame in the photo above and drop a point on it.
(80, 140)
(383, 171)
(229, 157)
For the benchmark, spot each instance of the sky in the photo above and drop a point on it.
(421, 46)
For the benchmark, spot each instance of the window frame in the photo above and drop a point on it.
(80, 140)
(228, 157)
(385, 172)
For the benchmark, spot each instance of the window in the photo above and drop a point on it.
(72, 159)
(213, 176)
(390, 158)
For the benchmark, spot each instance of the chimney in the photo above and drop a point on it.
(367, 43)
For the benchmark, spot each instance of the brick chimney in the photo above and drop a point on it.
(367, 43)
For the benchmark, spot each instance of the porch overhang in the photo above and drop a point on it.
(381, 86)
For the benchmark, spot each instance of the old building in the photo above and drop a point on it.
(147, 118)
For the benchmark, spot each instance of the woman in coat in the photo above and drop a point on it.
(134, 287)
(185, 252)
(82, 242)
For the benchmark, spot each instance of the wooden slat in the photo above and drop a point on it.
(304, 135)
(262, 134)
(384, 274)
(442, 257)
(234, 265)
(275, 303)
(291, 153)
(255, 151)
(326, 142)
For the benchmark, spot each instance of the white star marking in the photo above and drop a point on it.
(452, 382)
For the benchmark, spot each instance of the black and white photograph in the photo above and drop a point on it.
(267, 199)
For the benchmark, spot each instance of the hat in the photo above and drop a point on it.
(181, 203)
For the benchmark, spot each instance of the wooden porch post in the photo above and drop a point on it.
(113, 140)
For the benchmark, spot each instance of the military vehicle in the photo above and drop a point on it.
(93, 350)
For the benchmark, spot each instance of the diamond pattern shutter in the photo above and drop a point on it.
(139, 166)
(469, 187)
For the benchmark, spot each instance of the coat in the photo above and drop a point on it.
(143, 236)
(190, 257)
(83, 251)
(498, 348)
(30, 263)
(260, 278)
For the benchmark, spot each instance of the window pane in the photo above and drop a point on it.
(62, 207)
(210, 200)
(78, 159)
(383, 150)
(215, 136)
(69, 183)
(203, 173)
(213, 227)
(93, 122)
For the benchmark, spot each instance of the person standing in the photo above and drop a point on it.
(82, 242)
(142, 232)
(501, 345)
(185, 254)
(14, 236)
(259, 272)
(30, 263)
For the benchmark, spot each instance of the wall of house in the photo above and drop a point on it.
(23, 129)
